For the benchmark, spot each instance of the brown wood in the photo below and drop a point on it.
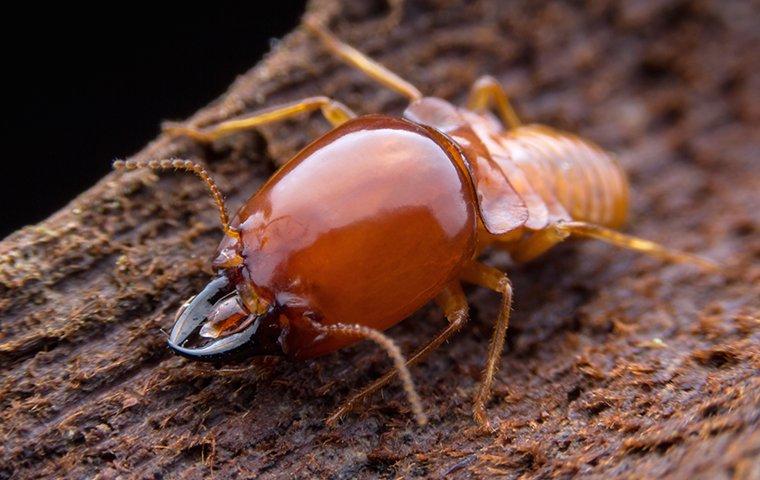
(615, 364)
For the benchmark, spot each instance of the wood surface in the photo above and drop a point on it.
(616, 366)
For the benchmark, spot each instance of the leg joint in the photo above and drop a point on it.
(505, 285)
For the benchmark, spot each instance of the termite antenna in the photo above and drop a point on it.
(390, 347)
(187, 166)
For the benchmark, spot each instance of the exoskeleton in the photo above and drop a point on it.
(382, 215)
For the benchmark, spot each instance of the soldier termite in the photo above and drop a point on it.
(382, 215)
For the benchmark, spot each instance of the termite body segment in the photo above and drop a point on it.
(382, 215)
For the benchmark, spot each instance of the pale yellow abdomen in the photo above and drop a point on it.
(570, 174)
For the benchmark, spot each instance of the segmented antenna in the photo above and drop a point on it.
(390, 347)
(187, 166)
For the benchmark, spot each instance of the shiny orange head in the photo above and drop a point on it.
(364, 226)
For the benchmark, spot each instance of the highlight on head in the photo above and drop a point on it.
(187, 166)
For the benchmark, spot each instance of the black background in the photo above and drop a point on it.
(90, 84)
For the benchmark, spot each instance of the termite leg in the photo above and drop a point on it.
(495, 280)
(335, 112)
(543, 240)
(487, 93)
(538, 243)
(361, 62)
(454, 305)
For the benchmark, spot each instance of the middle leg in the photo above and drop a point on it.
(363, 63)
(496, 280)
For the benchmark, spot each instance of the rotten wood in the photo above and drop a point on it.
(616, 365)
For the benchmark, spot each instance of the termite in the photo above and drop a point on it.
(382, 214)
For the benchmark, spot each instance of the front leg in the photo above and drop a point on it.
(335, 112)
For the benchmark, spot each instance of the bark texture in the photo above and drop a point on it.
(615, 366)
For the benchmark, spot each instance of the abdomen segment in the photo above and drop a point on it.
(569, 173)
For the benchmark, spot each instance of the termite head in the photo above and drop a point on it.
(228, 319)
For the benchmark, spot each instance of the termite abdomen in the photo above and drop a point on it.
(586, 182)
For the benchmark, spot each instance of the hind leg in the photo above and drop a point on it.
(455, 308)
(495, 280)
(541, 241)
(487, 93)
